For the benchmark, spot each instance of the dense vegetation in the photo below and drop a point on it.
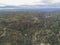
(29, 28)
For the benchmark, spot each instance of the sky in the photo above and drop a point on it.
(27, 2)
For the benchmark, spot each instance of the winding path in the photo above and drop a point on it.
(4, 33)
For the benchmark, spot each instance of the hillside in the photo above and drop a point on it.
(30, 27)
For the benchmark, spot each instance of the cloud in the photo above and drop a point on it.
(47, 1)
(19, 2)
(28, 2)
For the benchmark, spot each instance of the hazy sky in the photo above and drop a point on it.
(27, 2)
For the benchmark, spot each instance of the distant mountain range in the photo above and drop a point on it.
(33, 7)
(55, 5)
